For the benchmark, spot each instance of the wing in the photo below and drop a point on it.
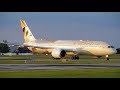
(44, 46)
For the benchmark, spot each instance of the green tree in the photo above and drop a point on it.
(4, 48)
(118, 50)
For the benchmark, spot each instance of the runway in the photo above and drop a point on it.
(54, 66)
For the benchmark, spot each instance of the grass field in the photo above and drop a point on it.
(83, 61)
(81, 73)
(37, 56)
(76, 73)
(42, 59)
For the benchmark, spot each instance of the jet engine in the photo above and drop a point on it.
(58, 53)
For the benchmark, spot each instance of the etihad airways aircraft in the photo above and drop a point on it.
(60, 48)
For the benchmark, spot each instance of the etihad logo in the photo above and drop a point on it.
(24, 31)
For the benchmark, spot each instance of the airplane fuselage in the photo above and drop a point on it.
(72, 47)
(59, 48)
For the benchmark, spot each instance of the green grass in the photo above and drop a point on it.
(23, 57)
(79, 73)
(49, 61)
(42, 59)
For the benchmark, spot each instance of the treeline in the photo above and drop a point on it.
(4, 48)
(118, 50)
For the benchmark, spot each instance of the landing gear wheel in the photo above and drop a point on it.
(107, 58)
(99, 56)
(74, 57)
(77, 57)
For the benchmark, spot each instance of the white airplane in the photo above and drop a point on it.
(60, 48)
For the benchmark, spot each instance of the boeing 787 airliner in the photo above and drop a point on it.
(60, 48)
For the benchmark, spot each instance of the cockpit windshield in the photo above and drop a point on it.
(110, 47)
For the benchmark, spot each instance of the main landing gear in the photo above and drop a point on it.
(105, 56)
(75, 57)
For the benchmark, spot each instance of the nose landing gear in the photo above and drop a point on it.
(107, 57)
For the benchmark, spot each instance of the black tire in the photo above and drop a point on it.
(99, 56)
(107, 58)
(77, 57)
(74, 57)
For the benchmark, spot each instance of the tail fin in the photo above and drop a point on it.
(28, 36)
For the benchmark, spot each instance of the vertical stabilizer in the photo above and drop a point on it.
(28, 36)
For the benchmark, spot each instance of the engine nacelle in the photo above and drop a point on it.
(58, 53)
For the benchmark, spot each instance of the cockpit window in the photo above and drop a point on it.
(110, 47)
